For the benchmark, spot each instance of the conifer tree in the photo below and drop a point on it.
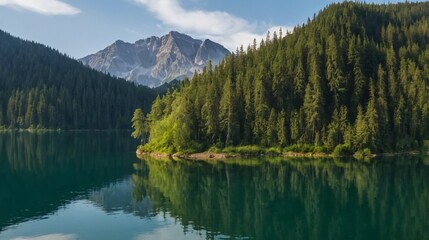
(139, 125)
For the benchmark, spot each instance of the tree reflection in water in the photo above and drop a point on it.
(41, 172)
(294, 198)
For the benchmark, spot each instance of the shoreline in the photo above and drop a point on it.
(62, 130)
(224, 156)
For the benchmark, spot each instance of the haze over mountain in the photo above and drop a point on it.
(156, 60)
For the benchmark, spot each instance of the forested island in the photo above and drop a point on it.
(355, 78)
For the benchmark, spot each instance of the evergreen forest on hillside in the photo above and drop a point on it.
(355, 76)
(41, 88)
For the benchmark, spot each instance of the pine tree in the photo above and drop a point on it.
(210, 109)
(283, 134)
(272, 129)
(334, 71)
(11, 111)
(30, 115)
(229, 118)
(372, 119)
(362, 132)
(382, 110)
(139, 125)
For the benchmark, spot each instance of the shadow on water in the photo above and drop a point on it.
(41, 172)
(292, 199)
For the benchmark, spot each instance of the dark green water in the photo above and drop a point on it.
(91, 186)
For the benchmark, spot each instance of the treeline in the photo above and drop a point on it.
(356, 75)
(41, 88)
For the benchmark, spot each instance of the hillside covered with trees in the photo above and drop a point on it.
(355, 76)
(41, 88)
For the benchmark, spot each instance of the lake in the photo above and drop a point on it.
(90, 185)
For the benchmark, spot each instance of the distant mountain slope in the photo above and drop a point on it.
(39, 87)
(156, 60)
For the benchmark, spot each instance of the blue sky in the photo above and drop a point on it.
(82, 27)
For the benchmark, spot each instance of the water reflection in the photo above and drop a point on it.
(292, 199)
(39, 173)
(118, 197)
(94, 183)
(57, 236)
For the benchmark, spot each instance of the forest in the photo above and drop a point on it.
(42, 88)
(354, 77)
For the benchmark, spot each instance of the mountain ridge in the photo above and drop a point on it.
(156, 60)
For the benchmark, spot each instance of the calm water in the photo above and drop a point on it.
(91, 186)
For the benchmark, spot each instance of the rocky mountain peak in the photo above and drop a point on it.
(156, 60)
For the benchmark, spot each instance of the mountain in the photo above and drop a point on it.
(119, 196)
(354, 78)
(156, 60)
(40, 87)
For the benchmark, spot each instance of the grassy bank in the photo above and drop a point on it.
(296, 150)
(304, 150)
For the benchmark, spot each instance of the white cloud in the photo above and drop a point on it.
(222, 27)
(44, 7)
(58, 236)
(245, 38)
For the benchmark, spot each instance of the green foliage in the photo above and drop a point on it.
(306, 148)
(363, 152)
(274, 150)
(41, 88)
(250, 149)
(320, 149)
(139, 125)
(366, 152)
(342, 150)
(355, 75)
(426, 145)
(214, 149)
